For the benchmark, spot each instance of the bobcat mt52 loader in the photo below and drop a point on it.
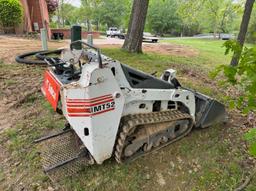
(115, 110)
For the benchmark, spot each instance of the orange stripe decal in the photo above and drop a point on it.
(90, 99)
(79, 110)
(88, 115)
(88, 104)
(90, 107)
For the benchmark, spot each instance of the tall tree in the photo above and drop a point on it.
(111, 12)
(69, 16)
(133, 40)
(86, 11)
(210, 16)
(243, 30)
(162, 17)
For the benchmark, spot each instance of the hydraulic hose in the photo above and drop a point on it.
(40, 55)
(22, 58)
(43, 54)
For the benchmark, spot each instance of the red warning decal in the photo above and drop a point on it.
(51, 89)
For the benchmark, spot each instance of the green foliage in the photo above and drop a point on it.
(232, 46)
(100, 13)
(217, 16)
(113, 12)
(162, 17)
(243, 75)
(251, 34)
(70, 14)
(188, 11)
(171, 17)
(10, 13)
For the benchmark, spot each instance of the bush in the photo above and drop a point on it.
(243, 75)
(10, 13)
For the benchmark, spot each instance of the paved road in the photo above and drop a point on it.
(189, 37)
(104, 40)
(112, 41)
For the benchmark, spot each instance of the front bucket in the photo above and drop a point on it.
(208, 111)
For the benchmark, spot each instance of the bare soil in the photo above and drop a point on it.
(18, 82)
(12, 46)
(161, 48)
(171, 49)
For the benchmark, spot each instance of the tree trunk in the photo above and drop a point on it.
(62, 14)
(89, 27)
(133, 40)
(243, 30)
(97, 25)
(58, 17)
(215, 29)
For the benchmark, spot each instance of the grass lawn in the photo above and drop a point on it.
(210, 159)
(211, 52)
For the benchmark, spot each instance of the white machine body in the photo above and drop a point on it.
(96, 101)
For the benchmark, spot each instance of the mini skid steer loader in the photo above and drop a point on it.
(115, 110)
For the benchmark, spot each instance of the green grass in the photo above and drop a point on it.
(150, 62)
(250, 137)
(211, 52)
(205, 45)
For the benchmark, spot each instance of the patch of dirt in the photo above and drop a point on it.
(161, 48)
(17, 85)
(18, 82)
(170, 49)
(12, 46)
